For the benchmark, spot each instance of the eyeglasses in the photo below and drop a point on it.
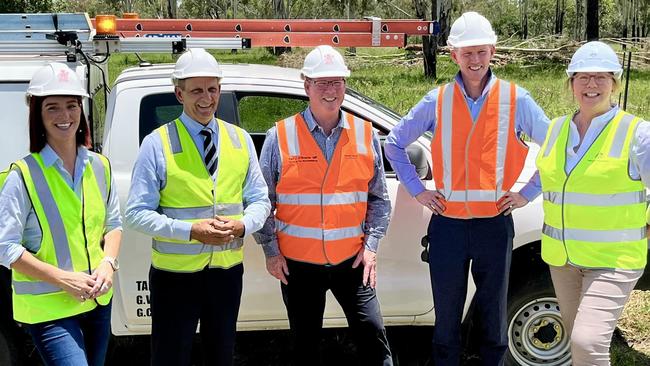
(584, 79)
(325, 84)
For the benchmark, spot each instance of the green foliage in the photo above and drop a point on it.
(255, 122)
(25, 6)
(145, 8)
(400, 87)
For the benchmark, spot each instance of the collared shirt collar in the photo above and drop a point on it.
(491, 79)
(597, 124)
(311, 121)
(604, 118)
(194, 127)
(50, 157)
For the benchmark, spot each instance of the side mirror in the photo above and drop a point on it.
(418, 157)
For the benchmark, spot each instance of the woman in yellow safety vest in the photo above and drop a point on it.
(594, 167)
(61, 226)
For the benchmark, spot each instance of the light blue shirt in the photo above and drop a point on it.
(530, 119)
(20, 229)
(149, 178)
(378, 210)
(639, 167)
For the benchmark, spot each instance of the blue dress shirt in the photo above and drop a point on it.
(20, 229)
(149, 178)
(530, 119)
(378, 211)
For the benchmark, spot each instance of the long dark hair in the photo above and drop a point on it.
(37, 138)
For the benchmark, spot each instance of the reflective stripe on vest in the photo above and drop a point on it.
(190, 194)
(318, 233)
(590, 199)
(594, 216)
(321, 207)
(476, 162)
(322, 199)
(594, 236)
(72, 230)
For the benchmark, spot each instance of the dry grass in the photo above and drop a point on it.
(635, 322)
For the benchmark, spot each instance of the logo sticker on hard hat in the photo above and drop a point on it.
(64, 76)
(328, 59)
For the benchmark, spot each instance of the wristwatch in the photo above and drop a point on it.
(113, 262)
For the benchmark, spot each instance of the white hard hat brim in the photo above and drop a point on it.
(61, 92)
(327, 74)
(199, 75)
(472, 42)
(617, 72)
(53, 93)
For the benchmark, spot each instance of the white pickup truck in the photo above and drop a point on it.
(254, 97)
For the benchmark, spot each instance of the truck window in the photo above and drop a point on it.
(158, 109)
(258, 112)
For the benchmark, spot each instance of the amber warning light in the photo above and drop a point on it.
(105, 25)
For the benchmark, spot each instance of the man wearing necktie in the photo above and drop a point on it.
(197, 190)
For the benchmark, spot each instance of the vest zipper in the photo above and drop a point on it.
(83, 226)
(566, 252)
(568, 175)
(469, 138)
(322, 207)
(214, 209)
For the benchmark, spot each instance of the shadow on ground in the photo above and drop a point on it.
(410, 345)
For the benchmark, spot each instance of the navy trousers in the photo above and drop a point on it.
(453, 244)
(180, 300)
(304, 298)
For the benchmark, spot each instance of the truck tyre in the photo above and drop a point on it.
(535, 330)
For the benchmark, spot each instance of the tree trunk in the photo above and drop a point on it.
(429, 45)
(523, 9)
(172, 9)
(579, 21)
(560, 10)
(444, 7)
(279, 9)
(592, 20)
(280, 12)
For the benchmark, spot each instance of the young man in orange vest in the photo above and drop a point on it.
(477, 154)
(330, 208)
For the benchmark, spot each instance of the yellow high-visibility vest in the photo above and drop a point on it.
(595, 216)
(72, 230)
(191, 195)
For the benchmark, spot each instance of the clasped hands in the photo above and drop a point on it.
(217, 231)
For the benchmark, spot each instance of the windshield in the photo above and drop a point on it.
(374, 103)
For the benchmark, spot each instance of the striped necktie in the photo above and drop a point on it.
(210, 151)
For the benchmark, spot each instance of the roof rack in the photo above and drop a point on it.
(65, 33)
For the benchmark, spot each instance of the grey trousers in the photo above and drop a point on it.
(591, 302)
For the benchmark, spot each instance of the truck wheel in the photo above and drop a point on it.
(535, 330)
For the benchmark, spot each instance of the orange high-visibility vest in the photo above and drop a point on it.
(321, 207)
(476, 163)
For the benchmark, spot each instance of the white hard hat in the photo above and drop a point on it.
(196, 62)
(471, 29)
(595, 56)
(55, 79)
(324, 61)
